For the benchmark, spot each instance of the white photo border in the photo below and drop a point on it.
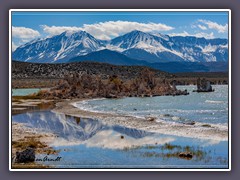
(120, 10)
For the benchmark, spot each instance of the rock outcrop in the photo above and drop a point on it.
(203, 85)
(93, 86)
(26, 156)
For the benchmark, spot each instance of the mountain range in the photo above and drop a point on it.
(59, 48)
(133, 48)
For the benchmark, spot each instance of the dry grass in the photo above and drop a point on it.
(33, 142)
(40, 148)
(29, 166)
(27, 97)
(28, 142)
(169, 151)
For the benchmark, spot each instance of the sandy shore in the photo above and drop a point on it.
(193, 131)
(21, 133)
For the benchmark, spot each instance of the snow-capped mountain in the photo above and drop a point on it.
(136, 45)
(59, 48)
(164, 48)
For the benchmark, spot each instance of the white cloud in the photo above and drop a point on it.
(55, 30)
(106, 30)
(109, 29)
(202, 27)
(213, 25)
(24, 33)
(14, 46)
(201, 34)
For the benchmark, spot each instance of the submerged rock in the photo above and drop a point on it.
(167, 115)
(190, 123)
(28, 155)
(206, 125)
(187, 155)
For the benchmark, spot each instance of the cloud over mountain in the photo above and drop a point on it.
(109, 29)
(199, 35)
(213, 25)
(55, 30)
(202, 27)
(24, 33)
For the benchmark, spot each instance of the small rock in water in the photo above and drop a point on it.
(187, 155)
(190, 123)
(122, 137)
(151, 119)
(203, 85)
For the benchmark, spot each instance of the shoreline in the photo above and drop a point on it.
(24, 137)
(192, 131)
(23, 133)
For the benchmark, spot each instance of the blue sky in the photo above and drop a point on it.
(27, 26)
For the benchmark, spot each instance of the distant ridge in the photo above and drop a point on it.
(59, 70)
(108, 56)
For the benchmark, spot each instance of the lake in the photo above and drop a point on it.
(24, 92)
(89, 143)
(211, 108)
(92, 143)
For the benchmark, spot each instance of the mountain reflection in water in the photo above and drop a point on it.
(92, 133)
(91, 143)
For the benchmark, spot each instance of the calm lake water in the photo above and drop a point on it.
(24, 92)
(211, 108)
(88, 143)
(91, 143)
